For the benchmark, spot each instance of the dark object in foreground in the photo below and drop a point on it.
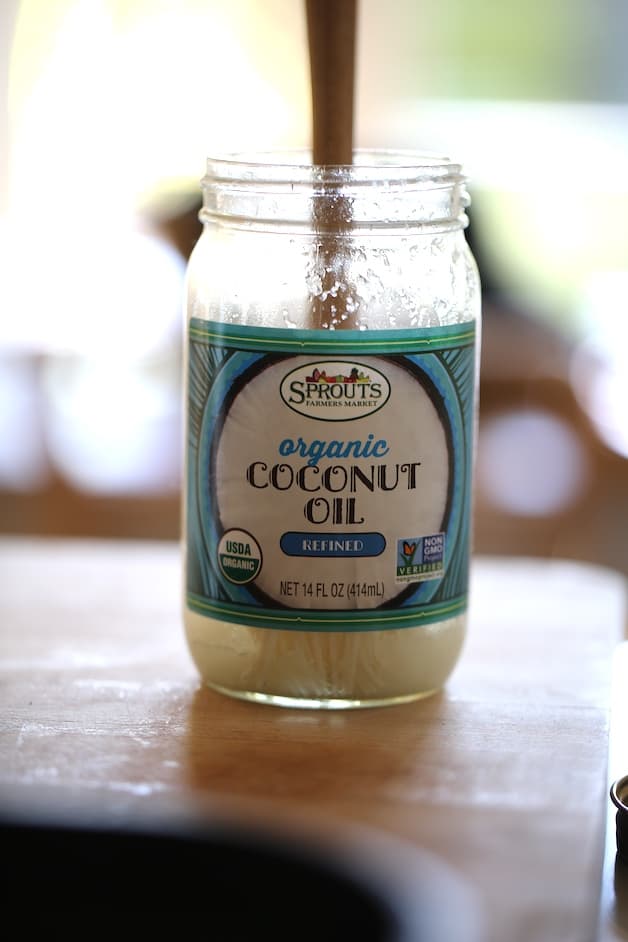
(234, 882)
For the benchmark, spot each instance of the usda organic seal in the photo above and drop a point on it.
(239, 556)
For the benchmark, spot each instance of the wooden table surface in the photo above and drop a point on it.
(503, 776)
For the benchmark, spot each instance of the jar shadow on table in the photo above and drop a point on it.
(319, 756)
(297, 778)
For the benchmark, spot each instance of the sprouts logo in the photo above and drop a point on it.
(335, 390)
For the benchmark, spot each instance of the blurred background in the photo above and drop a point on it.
(109, 111)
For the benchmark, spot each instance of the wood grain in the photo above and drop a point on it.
(502, 775)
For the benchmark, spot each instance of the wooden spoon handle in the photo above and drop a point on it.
(331, 40)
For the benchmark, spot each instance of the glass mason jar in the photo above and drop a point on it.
(332, 368)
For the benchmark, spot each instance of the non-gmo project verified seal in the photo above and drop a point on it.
(420, 558)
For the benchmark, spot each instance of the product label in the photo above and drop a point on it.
(329, 475)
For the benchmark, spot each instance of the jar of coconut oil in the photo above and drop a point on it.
(333, 319)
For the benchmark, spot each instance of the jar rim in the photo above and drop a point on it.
(370, 166)
(392, 190)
